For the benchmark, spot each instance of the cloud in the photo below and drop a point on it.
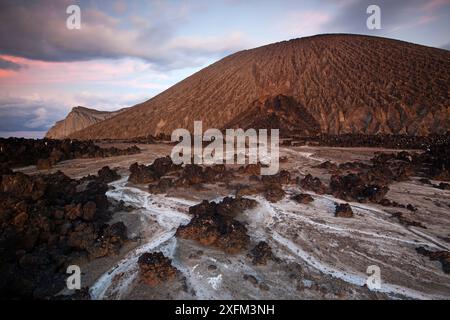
(40, 112)
(395, 15)
(304, 23)
(28, 113)
(37, 30)
(9, 65)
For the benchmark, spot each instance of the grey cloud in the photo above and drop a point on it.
(352, 16)
(37, 30)
(9, 65)
(18, 114)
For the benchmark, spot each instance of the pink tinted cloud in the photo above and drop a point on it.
(41, 72)
(306, 22)
(432, 5)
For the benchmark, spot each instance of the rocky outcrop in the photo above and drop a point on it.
(156, 269)
(152, 173)
(313, 184)
(17, 152)
(261, 253)
(343, 210)
(303, 198)
(45, 221)
(213, 224)
(333, 84)
(79, 118)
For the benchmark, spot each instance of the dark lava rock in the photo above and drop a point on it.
(442, 256)
(44, 164)
(164, 166)
(141, 174)
(17, 152)
(193, 174)
(344, 211)
(353, 187)
(282, 177)
(50, 219)
(163, 185)
(250, 278)
(156, 269)
(251, 169)
(327, 165)
(213, 225)
(261, 253)
(313, 184)
(106, 175)
(406, 221)
(443, 186)
(109, 240)
(228, 207)
(353, 166)
(152, 173)
(231, 207)
(274, 193)
(303, 198)
(248, 190)
(425, 181)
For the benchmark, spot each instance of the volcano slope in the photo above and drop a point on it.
(332, 84)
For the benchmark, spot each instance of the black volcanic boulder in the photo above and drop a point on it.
(328, 165)
(274, 193)
(110, 238)
(353, 187)
(213, 225)
(45, 221)
(313, 184)
(251, 169)
(164, 166)
(343, 211)
(303, 198)
(23, 185)
(156, 269)
(107, 175)
(141, 174)
(261, 253)
(44, 164)
(231, 207)
(163, 185)
(17, 152)
(152, 173)
(282, 177)
(193, 174)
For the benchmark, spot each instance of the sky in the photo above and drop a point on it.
(129, 51)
